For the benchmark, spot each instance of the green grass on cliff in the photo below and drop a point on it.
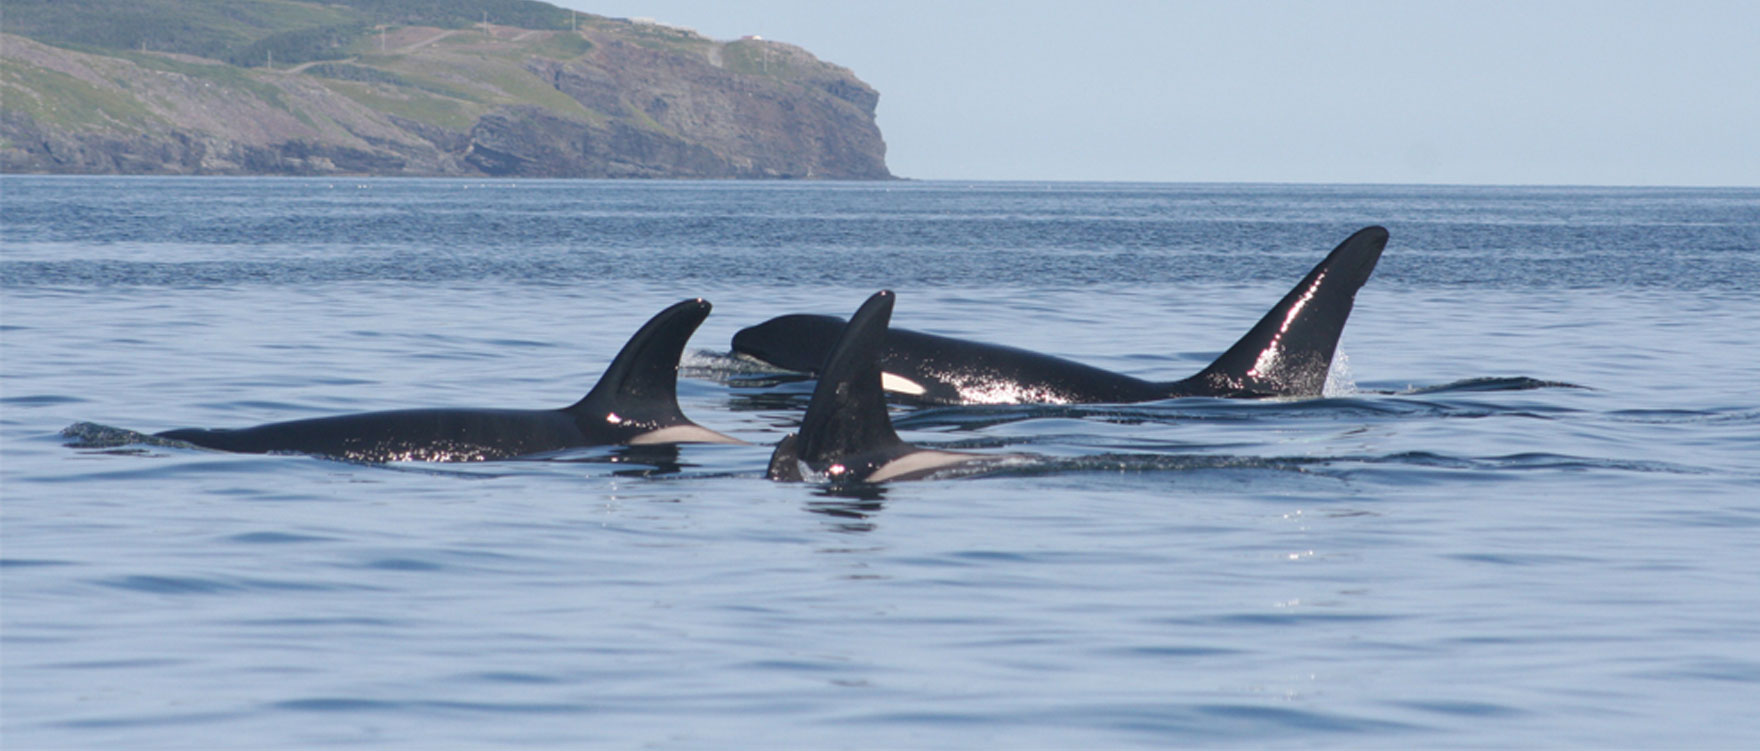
(206, 28)
(250, 32)
(560, 46)
(228, 76)
(472, 68)
(60, 100)
(455, 81)
(752, 58)
(413, 104)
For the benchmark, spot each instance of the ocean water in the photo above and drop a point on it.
(1525, 514)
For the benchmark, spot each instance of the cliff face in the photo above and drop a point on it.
(608, 99)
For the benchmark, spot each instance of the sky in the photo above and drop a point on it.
(1535, 92)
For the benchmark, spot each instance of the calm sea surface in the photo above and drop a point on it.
(1421, 558)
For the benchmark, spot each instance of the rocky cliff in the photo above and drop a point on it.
(599, 98)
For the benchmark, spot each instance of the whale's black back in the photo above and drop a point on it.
(635, 401)
(1287, 353)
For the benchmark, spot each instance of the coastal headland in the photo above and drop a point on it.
(504, 88)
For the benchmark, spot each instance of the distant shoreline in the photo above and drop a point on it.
(572, 95)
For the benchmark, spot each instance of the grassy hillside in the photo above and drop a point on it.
(254, 32)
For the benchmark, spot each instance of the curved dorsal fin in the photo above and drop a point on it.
(1290, 350)
(639, 391)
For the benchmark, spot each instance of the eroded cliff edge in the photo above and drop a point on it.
(601, 98)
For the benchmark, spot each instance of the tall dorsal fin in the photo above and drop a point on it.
(1290, 350)
(639, 390)
(847, 416)
(846, 433)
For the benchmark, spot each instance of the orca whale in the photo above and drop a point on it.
(1288, 352)
(846, 434)
(635, 403)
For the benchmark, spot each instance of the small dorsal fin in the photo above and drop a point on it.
(639, 390)
(1290, 350)
(785, 461)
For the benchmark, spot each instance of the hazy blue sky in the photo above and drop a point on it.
(1597, 92)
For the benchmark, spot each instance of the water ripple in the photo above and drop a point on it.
(343, 705)
(1428, 558)
(188, 585)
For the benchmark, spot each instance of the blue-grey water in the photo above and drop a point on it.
(1420, 558)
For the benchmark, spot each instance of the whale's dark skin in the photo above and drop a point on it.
(846, 434)
(1287, 354)
(634, 403)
